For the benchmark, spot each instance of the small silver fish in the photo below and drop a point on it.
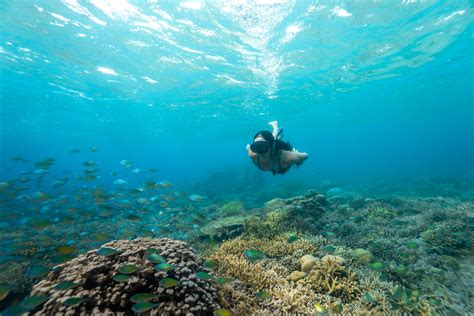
(120, 182)
(196, 197)
(126, 164)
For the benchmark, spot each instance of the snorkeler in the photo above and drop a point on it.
(270, 153)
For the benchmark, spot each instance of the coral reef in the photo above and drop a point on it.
(299, 214)
(231, 208)
(329, 276)
(226, 227)
(328, 285)
(340, 254)
(408, 239)
(176, 291)
(307, 262)
(448, 237)
(379, 211)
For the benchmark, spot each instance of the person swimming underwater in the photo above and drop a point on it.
(270, 153)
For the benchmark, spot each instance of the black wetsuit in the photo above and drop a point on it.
(275, 157)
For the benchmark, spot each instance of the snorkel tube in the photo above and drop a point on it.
(277, 137)
(279, 133)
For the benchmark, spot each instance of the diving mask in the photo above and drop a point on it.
(260, 147)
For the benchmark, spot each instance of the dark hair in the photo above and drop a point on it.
(266, 135)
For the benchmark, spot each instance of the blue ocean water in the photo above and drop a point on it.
(368, 89)
(380, 94)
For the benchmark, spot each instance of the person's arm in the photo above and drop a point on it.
(274, 125)
(251, 154)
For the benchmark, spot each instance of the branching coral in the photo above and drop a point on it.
(380, 211)
(253, 274)
(448, 237)
(330, 277)
(276, 247)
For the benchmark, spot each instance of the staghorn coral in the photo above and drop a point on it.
(330, 277)
(276, 247)
(330, 284)
(253, 274)
(292, 299)
(94, 273)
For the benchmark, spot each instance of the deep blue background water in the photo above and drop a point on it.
(364, 94)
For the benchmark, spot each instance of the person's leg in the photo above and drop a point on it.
(274, 125)
(289, 158)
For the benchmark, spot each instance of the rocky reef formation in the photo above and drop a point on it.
(157, 275)
(226, 227)
(301, 213)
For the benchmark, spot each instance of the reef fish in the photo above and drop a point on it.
(120, 182)
(196, 198)
(126, 164)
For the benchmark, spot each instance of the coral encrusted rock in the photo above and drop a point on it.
(172, 288)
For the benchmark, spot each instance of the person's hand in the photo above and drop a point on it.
(247, 147)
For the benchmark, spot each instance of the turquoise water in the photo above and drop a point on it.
(378, 93)
(367, 89)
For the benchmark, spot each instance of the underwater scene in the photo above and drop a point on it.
(236, 157)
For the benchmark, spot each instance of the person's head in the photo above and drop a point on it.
(262, 142)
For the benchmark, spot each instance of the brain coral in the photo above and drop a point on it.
(94, 273)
